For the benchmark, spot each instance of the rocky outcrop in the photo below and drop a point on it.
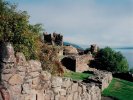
(25, 80)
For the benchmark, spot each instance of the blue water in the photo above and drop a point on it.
(128, 53)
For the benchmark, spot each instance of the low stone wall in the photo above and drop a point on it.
(29, 82)
(25, 80)
(101, 79)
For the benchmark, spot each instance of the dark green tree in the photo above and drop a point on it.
(15, 28)
(108, 59)
(131, 71)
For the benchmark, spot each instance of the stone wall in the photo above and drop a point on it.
(25, 80)
(102, 79)
(82, 62)
(77, 63)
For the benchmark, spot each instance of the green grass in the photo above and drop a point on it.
(77, 76)
(119, 89)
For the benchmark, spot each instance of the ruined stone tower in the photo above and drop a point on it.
(53, 39)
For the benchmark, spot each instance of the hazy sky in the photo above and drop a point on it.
(104, 22)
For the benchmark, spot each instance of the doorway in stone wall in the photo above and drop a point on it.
(69, 63)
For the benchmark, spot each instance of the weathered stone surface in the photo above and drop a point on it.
(62, 98)
(74, 87)
(56, 81)
(34, 65)
(77, 63)
(21, 68)
(62, 92)
(36, 81)
(82, 62)
(4, 93)
(45, 76)
(7, 52)
(20, 59)
(26, 88)
(34, 74)
(5, 77)
(75, 96)
(16, 89)
(16, 80)
(56, 90)
(66, 83)
(101, 79)
(70, 97)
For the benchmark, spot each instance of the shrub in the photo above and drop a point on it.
(108, 59)
(50, 59)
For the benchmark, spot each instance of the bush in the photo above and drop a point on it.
(15, 28)
(50, 59)
(108, 59)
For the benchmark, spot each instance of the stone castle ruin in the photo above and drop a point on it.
(71, 57)
(94, 48)
(53, 39)
(25, 80)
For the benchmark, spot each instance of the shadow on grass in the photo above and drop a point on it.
(108, 98)
(125, 76)
(88, 72)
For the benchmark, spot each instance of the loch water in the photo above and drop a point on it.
(128, 53)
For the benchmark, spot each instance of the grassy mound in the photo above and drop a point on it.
(119, 89)
(77, 76)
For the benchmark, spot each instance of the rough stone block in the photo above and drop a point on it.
(16, 80)
(20, 59)
(45, 76)
(74, 87)
(56, 82)
(26, 88)
(34, 65)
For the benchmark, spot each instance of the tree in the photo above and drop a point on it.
(108, 59)
(131, 71)
(15, 28)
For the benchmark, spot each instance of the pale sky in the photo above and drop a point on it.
(84, 22)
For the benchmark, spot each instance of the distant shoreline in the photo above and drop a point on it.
(130, 48)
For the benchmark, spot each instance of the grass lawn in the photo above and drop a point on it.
(77, 76)
(120, 89)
